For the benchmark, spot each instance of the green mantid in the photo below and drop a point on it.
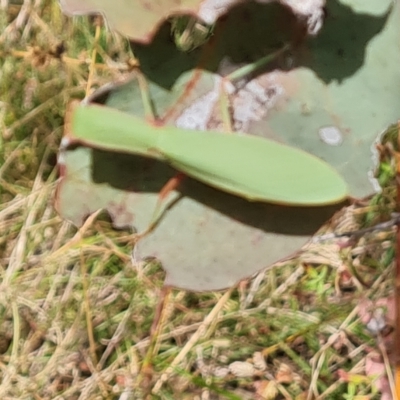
(254, 168)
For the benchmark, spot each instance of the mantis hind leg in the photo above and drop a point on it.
(158, 213)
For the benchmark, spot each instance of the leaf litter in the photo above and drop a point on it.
(51, 358)
(140, 21)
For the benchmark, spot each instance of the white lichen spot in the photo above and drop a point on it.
(331, 135)
(65, 142)
(309, 10)
(61, 158)
(253, 101)
(211, 10)
(198, 114)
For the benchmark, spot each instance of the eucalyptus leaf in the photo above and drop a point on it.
(206, 239)
(139, 19)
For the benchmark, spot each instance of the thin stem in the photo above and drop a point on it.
(248, 69)
(146, 372)
(93, 60)
(88, 313)
(224, 105)
(378, 227)
(149, 111)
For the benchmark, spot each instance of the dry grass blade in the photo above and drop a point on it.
(193, 340)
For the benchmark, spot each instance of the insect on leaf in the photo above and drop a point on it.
(248, 166)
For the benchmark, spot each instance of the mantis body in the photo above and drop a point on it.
(248, 166)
